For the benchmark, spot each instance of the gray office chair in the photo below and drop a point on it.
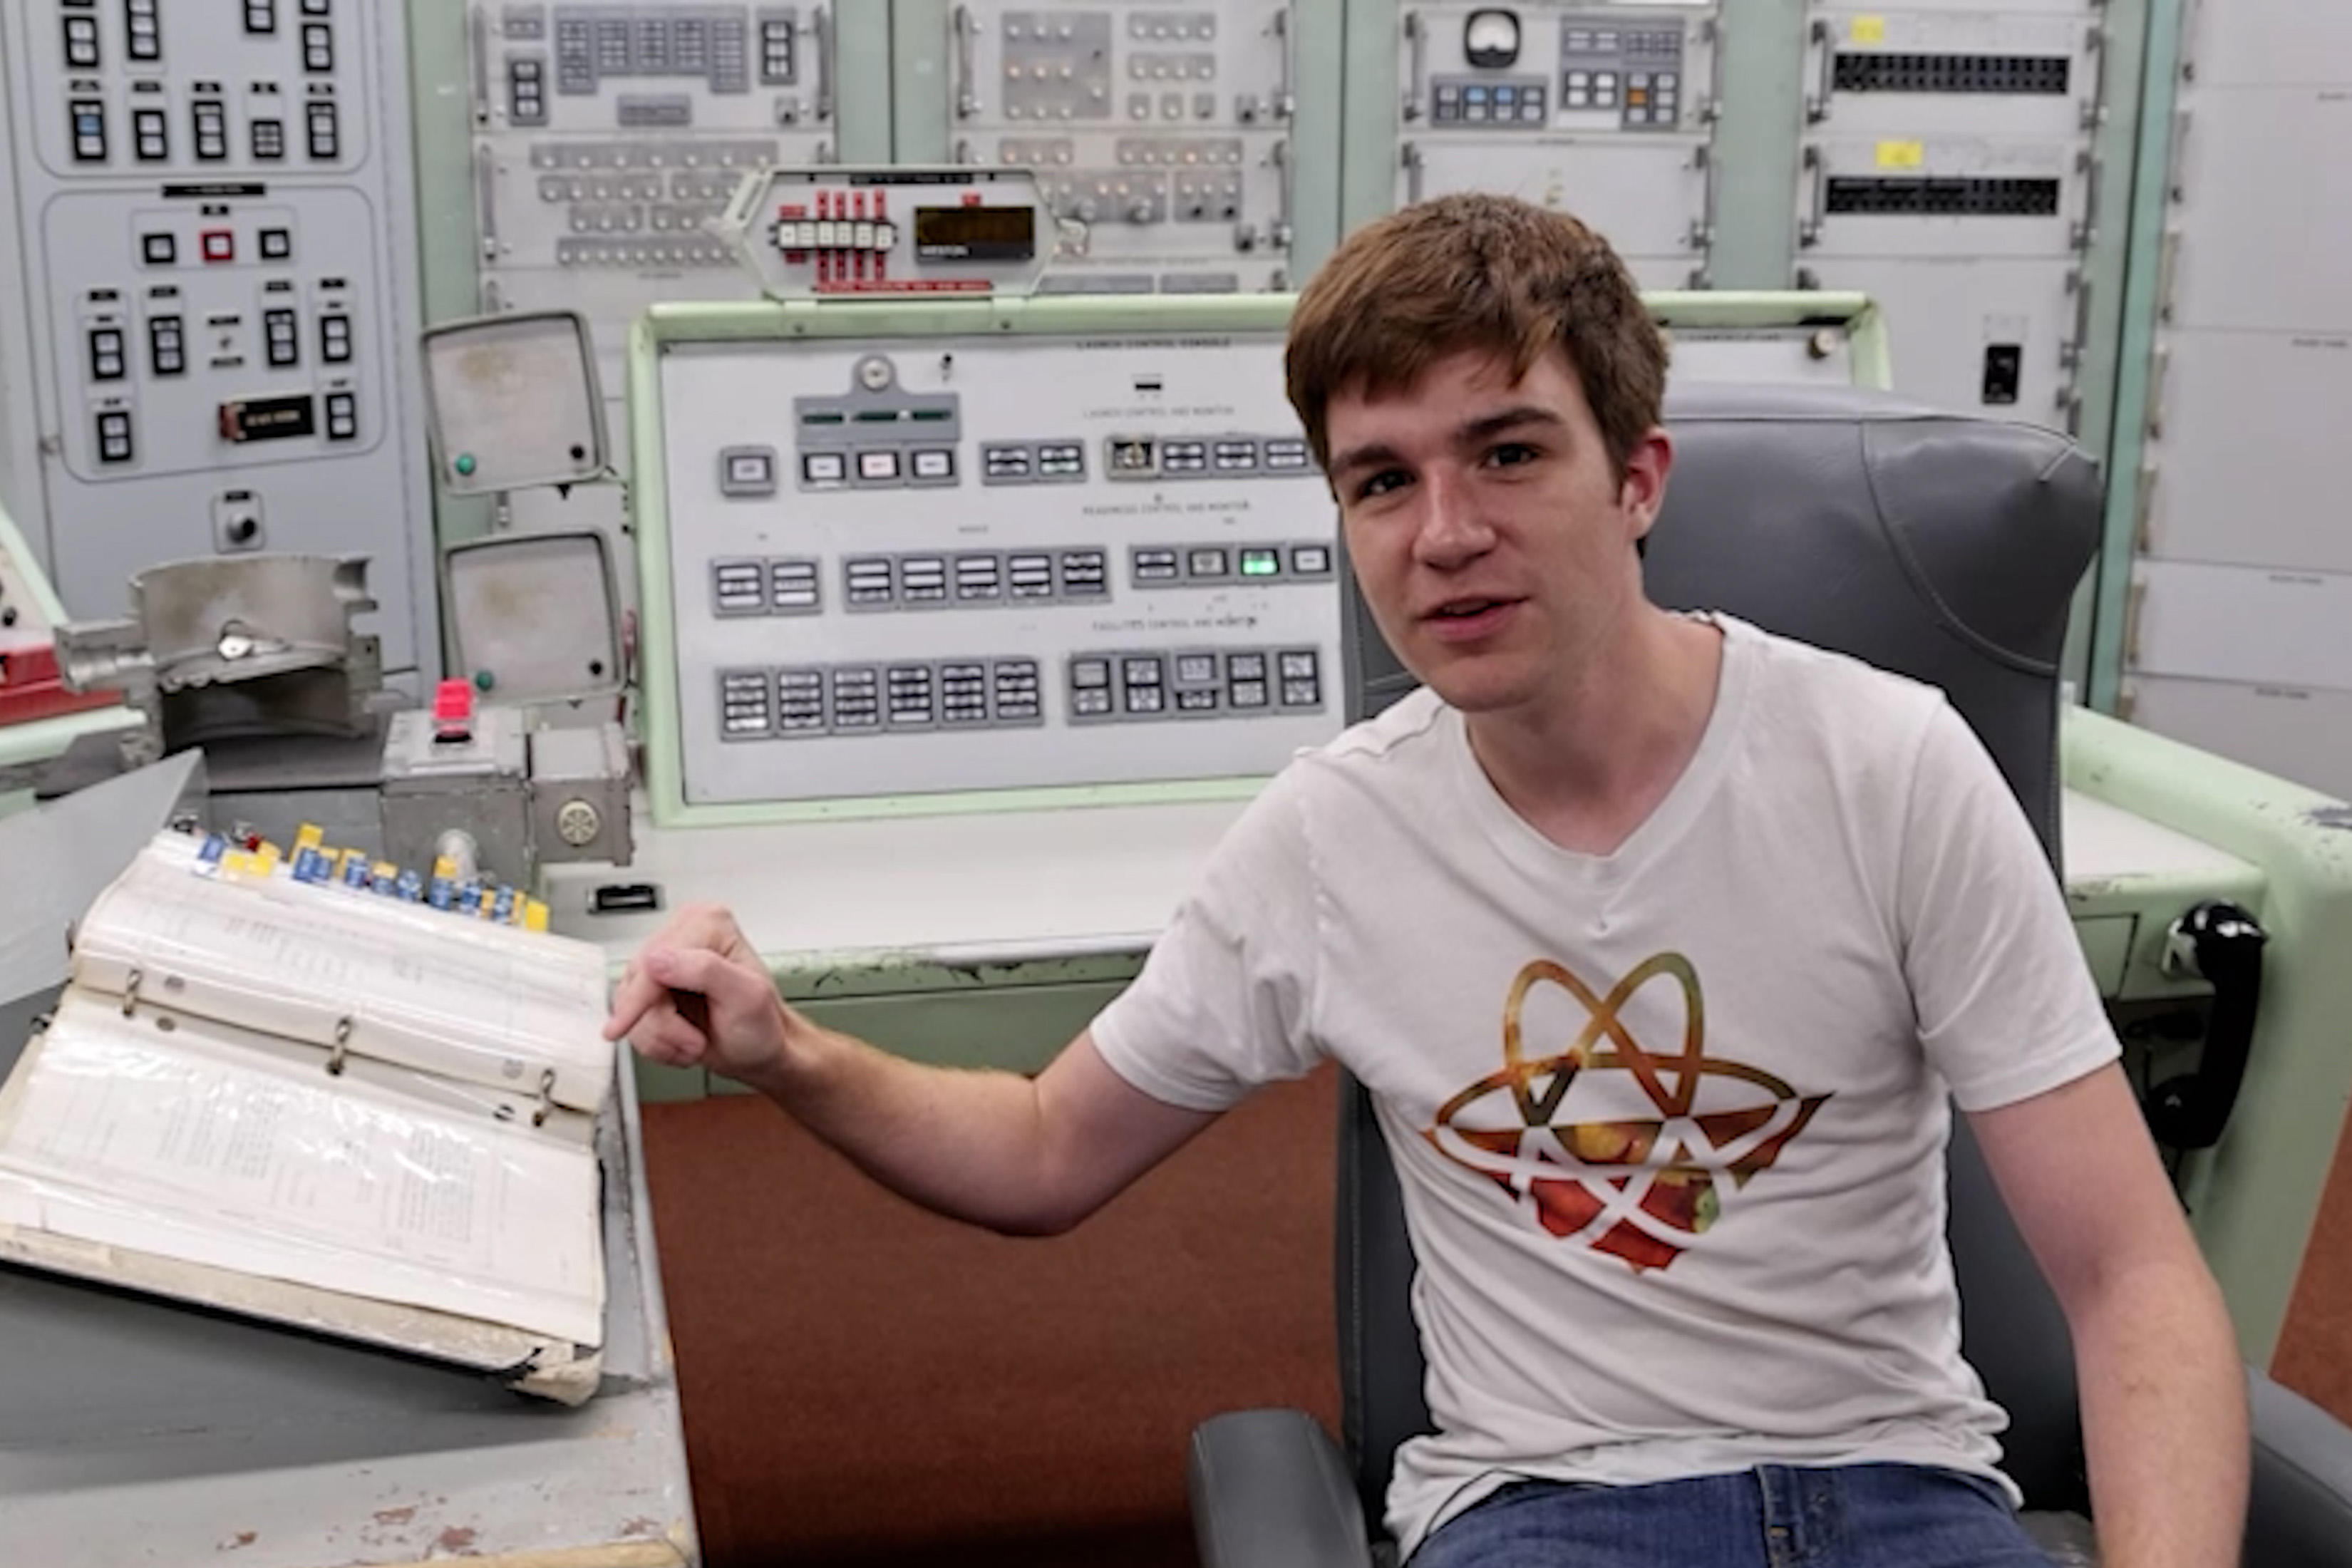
(1940, 546)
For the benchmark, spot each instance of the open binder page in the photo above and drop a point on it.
(326, 963)
(194, 1143)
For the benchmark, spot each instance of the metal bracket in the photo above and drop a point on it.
(962, 28)
(1817, 103)
(1416, 36)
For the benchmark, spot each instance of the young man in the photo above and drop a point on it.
(1661, 943)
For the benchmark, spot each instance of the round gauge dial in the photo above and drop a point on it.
(1490, 38)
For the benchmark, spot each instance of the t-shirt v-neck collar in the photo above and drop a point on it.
(1518, 839)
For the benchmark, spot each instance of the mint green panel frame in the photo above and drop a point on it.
(663, 326)
(2107, 417)
(2161, 22)
(923, 132)
(2253, 1198)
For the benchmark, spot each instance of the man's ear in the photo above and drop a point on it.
(1643, 489)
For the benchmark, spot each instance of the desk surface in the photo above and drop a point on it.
(133, 1431)
(981, 888)
(1018, 887)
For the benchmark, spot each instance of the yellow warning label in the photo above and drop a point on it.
(1902, 154)
(1868, 30)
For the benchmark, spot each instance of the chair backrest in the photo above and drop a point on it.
(1940, 546)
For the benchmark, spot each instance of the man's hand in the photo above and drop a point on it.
(697, 995)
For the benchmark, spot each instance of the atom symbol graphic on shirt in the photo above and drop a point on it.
(1640, 1188)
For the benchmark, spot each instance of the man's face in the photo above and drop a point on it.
(1490, 535)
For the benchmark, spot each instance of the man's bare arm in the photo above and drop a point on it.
(2163, 1403)
(1019, 1155)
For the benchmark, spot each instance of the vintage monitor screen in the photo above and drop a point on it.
(974, 234)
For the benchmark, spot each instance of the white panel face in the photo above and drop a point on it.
(2296, 733)
(606, 134)
(1983, 335)
(912, 565)
(1824, 357)
(1946, 169)
(2247, 565)
(1163, 130)
(1648, 198)
(2240, 43)
(2254, 480)
(2265, 218)
(1993, 72)
(218, 251)
(1942, 196)
(1894, 9)
(1604, 111)
(2244, 624)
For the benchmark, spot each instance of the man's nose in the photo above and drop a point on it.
(1453, 528)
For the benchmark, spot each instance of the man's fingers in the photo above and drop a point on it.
(637, 991)
(671, 1041)
(733, 990)
(696, 928)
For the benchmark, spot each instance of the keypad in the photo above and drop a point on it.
(1217, 563)
(894, 695)
(1126, 685)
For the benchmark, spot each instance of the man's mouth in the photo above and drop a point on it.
(1464, 609)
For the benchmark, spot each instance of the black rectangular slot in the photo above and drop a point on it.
(2002, 365)
(270, 418)
(2039, 76)
(1965, 196)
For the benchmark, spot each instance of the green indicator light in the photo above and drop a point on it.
(1259, 564)
(464, 463)
(877, 416)
(931, 413)
(484, 680)
(830, 418)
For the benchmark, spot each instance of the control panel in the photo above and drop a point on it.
(891, 232)
(1947, 170)
(213, 222)
(607, 137)
(968, 559)
(1607, 111)
(1162, 132)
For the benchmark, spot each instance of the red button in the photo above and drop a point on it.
(453, 710)
(219, 244)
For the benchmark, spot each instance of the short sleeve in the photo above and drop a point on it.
(1223, 1002)
(2005, 1003)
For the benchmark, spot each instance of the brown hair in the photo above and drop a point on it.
(1474, 271)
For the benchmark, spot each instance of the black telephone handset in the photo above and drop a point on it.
(2224, 945)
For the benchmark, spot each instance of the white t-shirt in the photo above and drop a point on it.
(1631, 1270)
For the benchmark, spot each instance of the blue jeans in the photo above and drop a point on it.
(1775, 1516)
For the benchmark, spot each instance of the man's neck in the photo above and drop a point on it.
(1588, 768)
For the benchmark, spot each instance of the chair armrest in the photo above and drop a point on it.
(2301, 1511)
(1270, 1489)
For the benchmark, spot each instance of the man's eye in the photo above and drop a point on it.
(1379, 484)
(1510, 454)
